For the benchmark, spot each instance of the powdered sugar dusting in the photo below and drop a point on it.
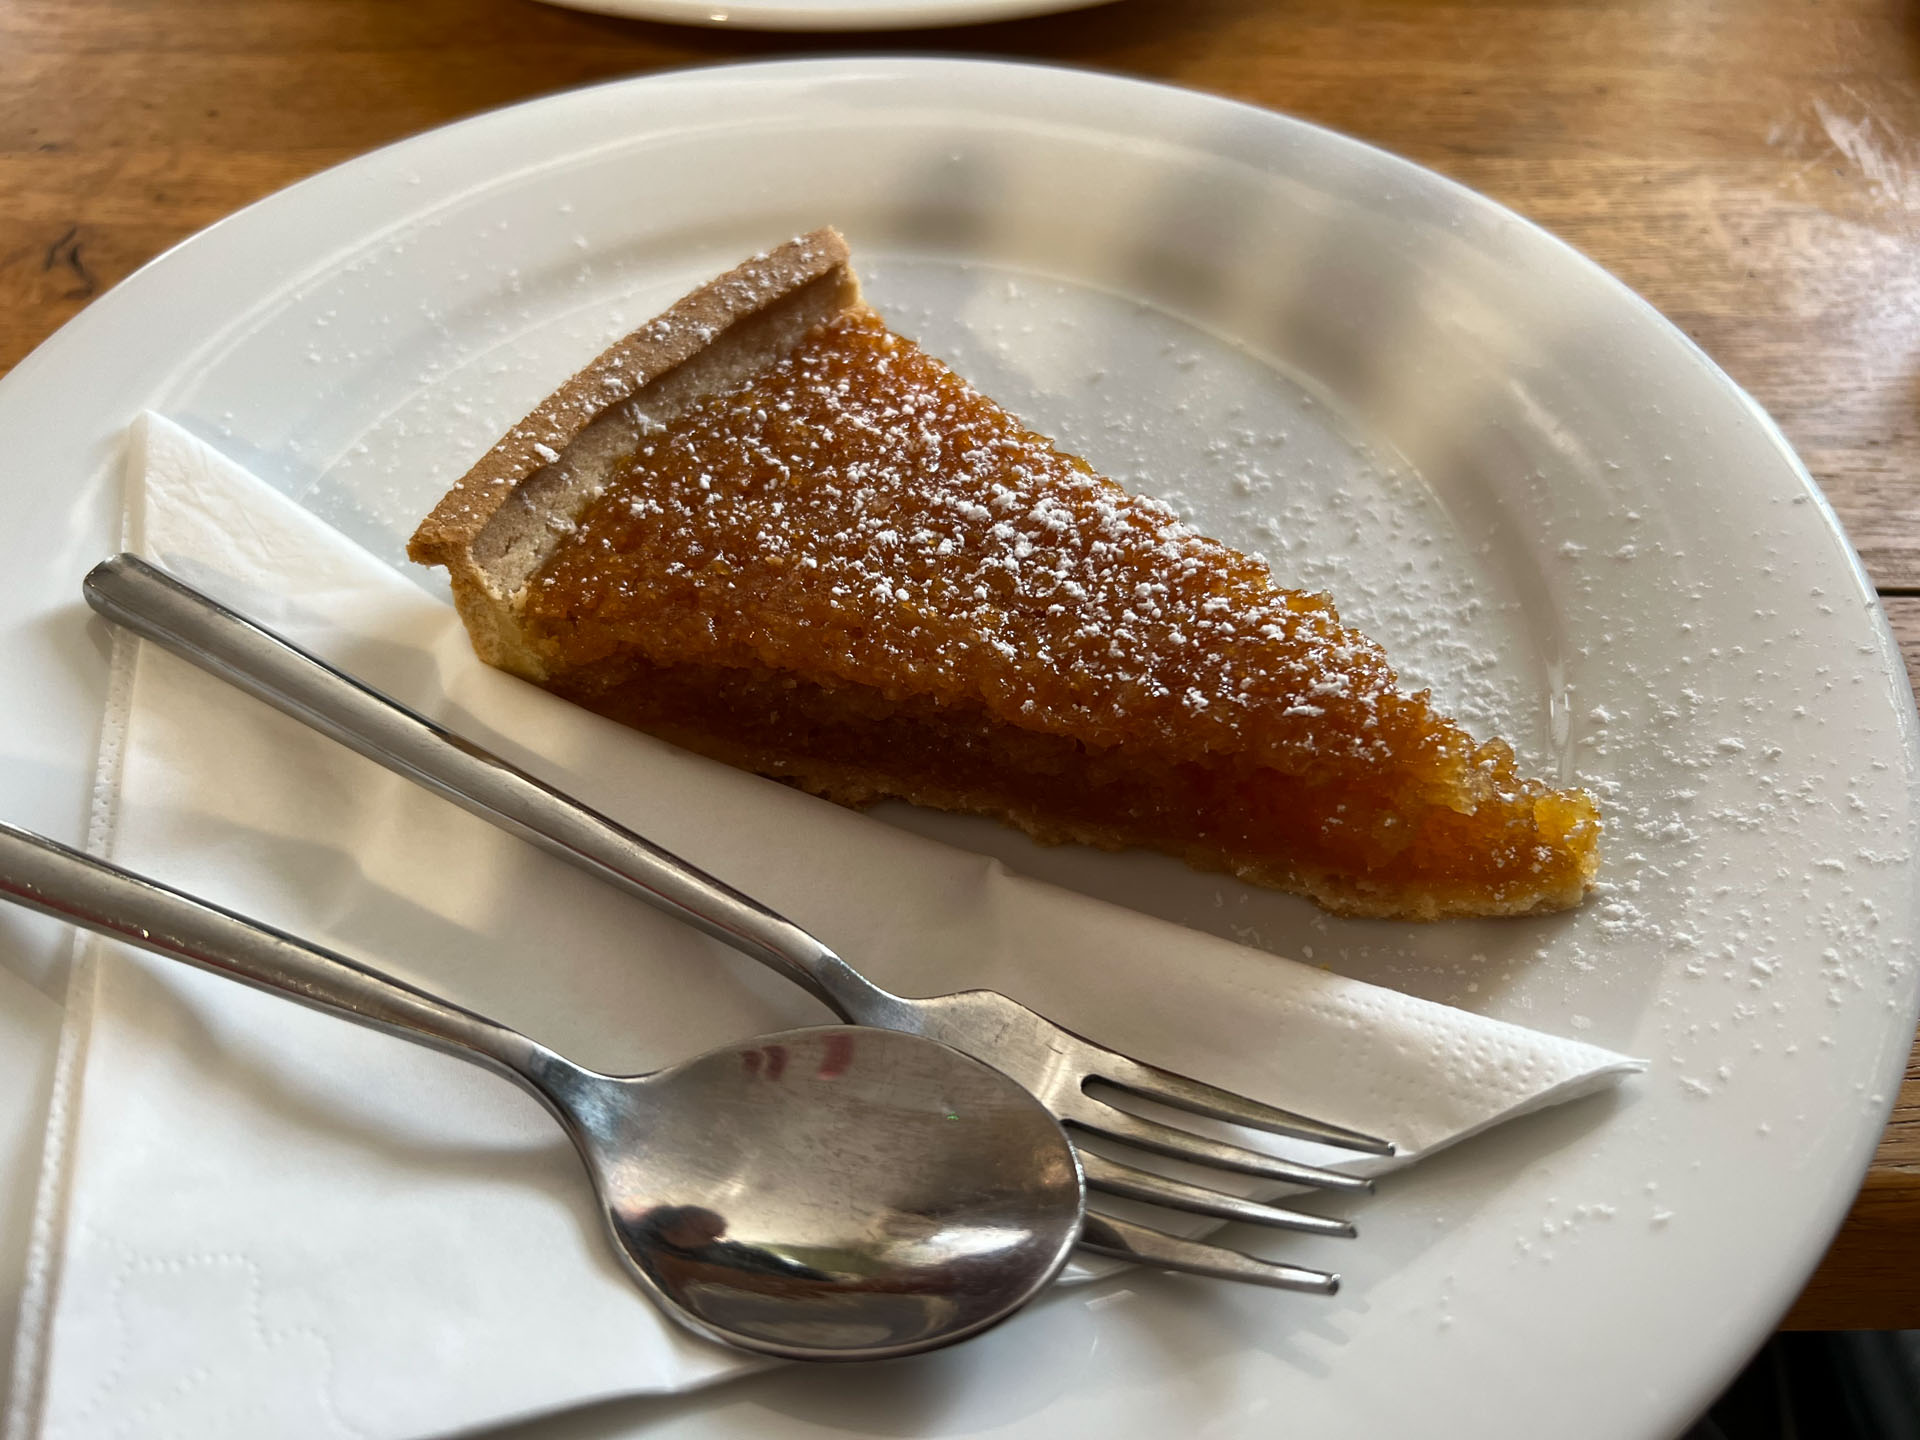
(911, 533)
(1244, 454)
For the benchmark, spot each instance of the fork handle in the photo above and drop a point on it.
(199, 629)
(44, 875)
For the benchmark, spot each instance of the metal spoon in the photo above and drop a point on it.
(839, 1193)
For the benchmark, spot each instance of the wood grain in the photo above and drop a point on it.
(1752, 167)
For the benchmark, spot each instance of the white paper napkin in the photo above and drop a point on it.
(280, 1224)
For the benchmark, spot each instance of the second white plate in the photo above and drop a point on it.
(827, 14)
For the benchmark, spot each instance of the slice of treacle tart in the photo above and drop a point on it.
(766, 528)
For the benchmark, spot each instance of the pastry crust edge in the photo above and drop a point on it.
(504, 517)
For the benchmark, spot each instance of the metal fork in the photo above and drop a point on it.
(1055, 1064)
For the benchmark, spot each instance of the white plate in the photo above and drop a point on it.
(827, 14)
(1547, 503)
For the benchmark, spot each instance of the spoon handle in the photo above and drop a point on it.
(199, 629)
(47, 876)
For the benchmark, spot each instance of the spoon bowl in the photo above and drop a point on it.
(832, 1193)
(840, 1193)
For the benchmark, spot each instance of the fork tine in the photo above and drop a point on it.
(1127, 1241)
(1186, 1093)
(1114, 1178)
(1104, 1119)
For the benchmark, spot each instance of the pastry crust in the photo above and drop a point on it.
(837, 655)
(504, 518)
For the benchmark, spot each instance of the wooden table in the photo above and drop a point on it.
(1751, 168)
